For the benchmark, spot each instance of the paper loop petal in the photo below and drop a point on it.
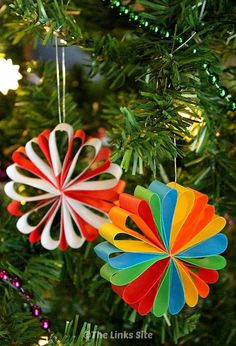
(169, 253)
(43, 175)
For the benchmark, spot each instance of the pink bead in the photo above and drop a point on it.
(45, 324)
(36, 310)
(16, 282)
(4, 275)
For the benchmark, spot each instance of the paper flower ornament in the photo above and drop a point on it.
(9, 76)
(162, 248)
(67, 180)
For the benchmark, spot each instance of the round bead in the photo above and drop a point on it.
(123, 10)
(154, 29)
(16, 282)
(205, 66)
(179, 40)
(143, 23)
(133, 17)
(164, 34)
(126, 11)
(45, 323)
(229, 98)
(232, 106)
(213, 79)
(4, 275)
(36, 310)
(115, 3)
(222, 92)
(167, 35)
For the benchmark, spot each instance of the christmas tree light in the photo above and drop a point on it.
(9, 76)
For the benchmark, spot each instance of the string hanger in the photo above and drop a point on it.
(61, 100)
(175, 161)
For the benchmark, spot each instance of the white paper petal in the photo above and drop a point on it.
(10, 191)
(114, 169)
(93, 142)
(46, 240)
(69, 206)
(86, 214)
(18, 177)
(38, 162)
(72, 238)
(22, 224)
(56, 162)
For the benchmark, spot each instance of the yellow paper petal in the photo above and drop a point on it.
(184, 205)
(109, 232)
(190, 290)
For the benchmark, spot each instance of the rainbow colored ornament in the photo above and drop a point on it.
(171, 254)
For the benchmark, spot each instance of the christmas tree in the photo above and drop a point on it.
(155, 82)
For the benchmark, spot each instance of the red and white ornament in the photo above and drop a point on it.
(78, 200)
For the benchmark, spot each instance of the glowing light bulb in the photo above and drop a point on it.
(43, 341)
(198, 122)
(9, 76)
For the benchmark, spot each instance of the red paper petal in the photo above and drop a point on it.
(14, 208)
(139, 288)
(208, 275)
(146, 304)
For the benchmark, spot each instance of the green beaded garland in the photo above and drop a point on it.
(164, 34)
(115, 3)
(213, 79)
(208, 72)
(122, 10)
(205, 65)
(134, 18)
(143, 23)
(222, 92)
(179, 40)
(154, 29)
(232, 106)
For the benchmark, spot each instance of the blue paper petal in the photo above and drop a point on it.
(126, 260)
(177, 299)
(168, 198)
(105, 249)
(212, 246)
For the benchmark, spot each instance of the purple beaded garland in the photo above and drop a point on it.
(26, 294)
(16, 282)
(35, 309)
(45, 323)
(4, 275)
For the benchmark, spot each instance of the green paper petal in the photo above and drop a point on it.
(211, 262)
(161, 302)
